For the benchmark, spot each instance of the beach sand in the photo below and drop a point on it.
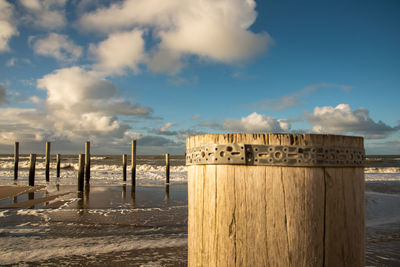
(115, 225)
(383, 223)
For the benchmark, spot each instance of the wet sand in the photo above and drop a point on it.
(8, 191)
(116, 225)
(102, 226)
(382, 223)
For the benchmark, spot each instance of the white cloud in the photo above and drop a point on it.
(166, 126)
(216, 30)
(11, 62)
(58, 46)
(256, 123)
(119, 51)
(47, 14)
(22, 124)
(79, 105)
(341, 120)
(164, 60)
(8, 28)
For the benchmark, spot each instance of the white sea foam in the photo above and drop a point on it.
(382, 170)
(3, 213)
(100, 174)
(382, 177)
(103, 174)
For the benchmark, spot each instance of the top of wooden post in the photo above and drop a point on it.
(305, 150)
(277, 139)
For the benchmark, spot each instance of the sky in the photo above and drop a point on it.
(158, 71)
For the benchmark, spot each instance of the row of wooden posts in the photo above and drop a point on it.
(84, 165)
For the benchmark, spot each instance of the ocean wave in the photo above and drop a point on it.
(145, 173)
(382, 170)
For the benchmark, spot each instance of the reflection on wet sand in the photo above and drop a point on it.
(133, 196)
(123, 195)
(166, 193)
(31, 196)
(86, 194)
(80, 204)
(117, 224)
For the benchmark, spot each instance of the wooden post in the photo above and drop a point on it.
(167, 168)
(58, 165)
(133, 163)
(47, 160)
(275, 211)
(87, 161)
(16, 160)
(81, 172)
(124, 162)
(32, 164)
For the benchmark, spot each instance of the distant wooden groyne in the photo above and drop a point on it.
(84, 163)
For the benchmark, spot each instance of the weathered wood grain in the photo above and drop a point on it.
(275, 216)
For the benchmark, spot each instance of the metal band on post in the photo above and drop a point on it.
(275, 155)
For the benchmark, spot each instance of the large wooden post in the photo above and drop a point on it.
(275, 200)
(58, 165)
(124, 162)
(16, 160)
(32, 165)
(87, 162)
(133, 163)
(81, 172)
(167, 168)
(47, 160)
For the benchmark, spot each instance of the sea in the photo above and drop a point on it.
(113, 223)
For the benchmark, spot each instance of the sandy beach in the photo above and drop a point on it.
(147, 226)
(383, 223)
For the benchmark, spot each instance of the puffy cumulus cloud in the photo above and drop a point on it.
(58, 46)
(79, 105)
(27, 125)
(341, 120)
(47, 14)
(256, 123)
(3, 98)
(78, 91)
(74, 86)
(119, 51)
(8, 28)
(217, 30)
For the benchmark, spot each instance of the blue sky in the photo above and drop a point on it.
(159, 71)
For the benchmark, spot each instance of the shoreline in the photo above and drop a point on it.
(157, 219)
